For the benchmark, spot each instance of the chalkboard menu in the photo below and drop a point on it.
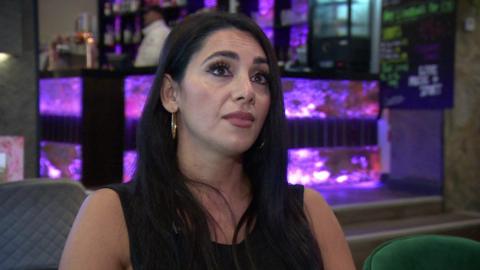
(417, 54)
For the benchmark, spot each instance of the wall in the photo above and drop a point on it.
(416, 150)
(58, 16)
(18, 80)
(462, 123)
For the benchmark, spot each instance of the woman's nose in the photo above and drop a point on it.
(243, 90)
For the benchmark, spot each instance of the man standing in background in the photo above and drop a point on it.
(155, 33)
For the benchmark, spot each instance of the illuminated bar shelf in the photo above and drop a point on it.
(61, 115)
(332, 126)
(80, 116)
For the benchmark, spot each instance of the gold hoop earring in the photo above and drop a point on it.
(173, 125)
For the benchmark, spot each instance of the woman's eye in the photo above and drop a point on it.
(220, 69)
(260, 78)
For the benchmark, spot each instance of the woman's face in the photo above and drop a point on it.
(224, 96)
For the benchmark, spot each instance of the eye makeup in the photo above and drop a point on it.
(219, 68)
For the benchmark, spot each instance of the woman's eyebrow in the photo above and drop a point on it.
(228, 54)
(260, 60)
(233, 55)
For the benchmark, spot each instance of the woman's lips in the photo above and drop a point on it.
(240, 119)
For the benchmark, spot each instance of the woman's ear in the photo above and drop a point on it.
(169, 93)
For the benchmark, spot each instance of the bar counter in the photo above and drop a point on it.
(89, 119)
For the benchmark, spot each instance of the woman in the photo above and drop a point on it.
(210, 188)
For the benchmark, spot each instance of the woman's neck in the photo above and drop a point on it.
(220, 185)
(222, 173)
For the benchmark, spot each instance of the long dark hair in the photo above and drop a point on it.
(164, 206)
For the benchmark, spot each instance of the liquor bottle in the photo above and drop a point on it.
(118, 34)
(125, 6)
(107, 9)
(108, 36)
(127, 35)
(90, 52)
(116, 8)
(134, 5)
(137, 35)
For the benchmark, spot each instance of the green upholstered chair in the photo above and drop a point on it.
(425, 252)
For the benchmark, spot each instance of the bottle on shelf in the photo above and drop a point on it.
(118, 34)
(124, 7)
(107, 9)
(91, 52)
(127, 35)
(116, 8)
(108, 37)
(134, 5)
(167, 3)
(137, 35)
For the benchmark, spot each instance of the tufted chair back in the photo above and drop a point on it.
(35, 219)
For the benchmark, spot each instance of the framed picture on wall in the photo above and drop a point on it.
(11, 158)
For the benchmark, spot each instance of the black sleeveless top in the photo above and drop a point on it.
(259, 251)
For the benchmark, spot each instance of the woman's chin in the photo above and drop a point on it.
(239, 148)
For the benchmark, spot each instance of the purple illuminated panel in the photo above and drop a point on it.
(136, 92)
(60, 160)
(62, 97)
(300, 6)
(314, 98)
(334, 166)
(129, 160)
(265, 8)
(298, 36)
(299, 31)
(210, 3)
(264, 17)
(304, 98)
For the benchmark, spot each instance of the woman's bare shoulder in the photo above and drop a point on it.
(98, 238)
(313, 198)
(327, 231)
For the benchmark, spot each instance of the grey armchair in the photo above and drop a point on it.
(35, 219)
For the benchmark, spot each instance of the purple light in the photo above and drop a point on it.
(118, 49)
(210, 3)
(60, 160)
(333, 166)
(129, 161)
(313, 98)
(62, 97)
(300, 6)
(298, 36)
(136, 92)
(341, 179)
(264, 17)
(269, 33)
(53, 172)
(265, 7)
(321, 176)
